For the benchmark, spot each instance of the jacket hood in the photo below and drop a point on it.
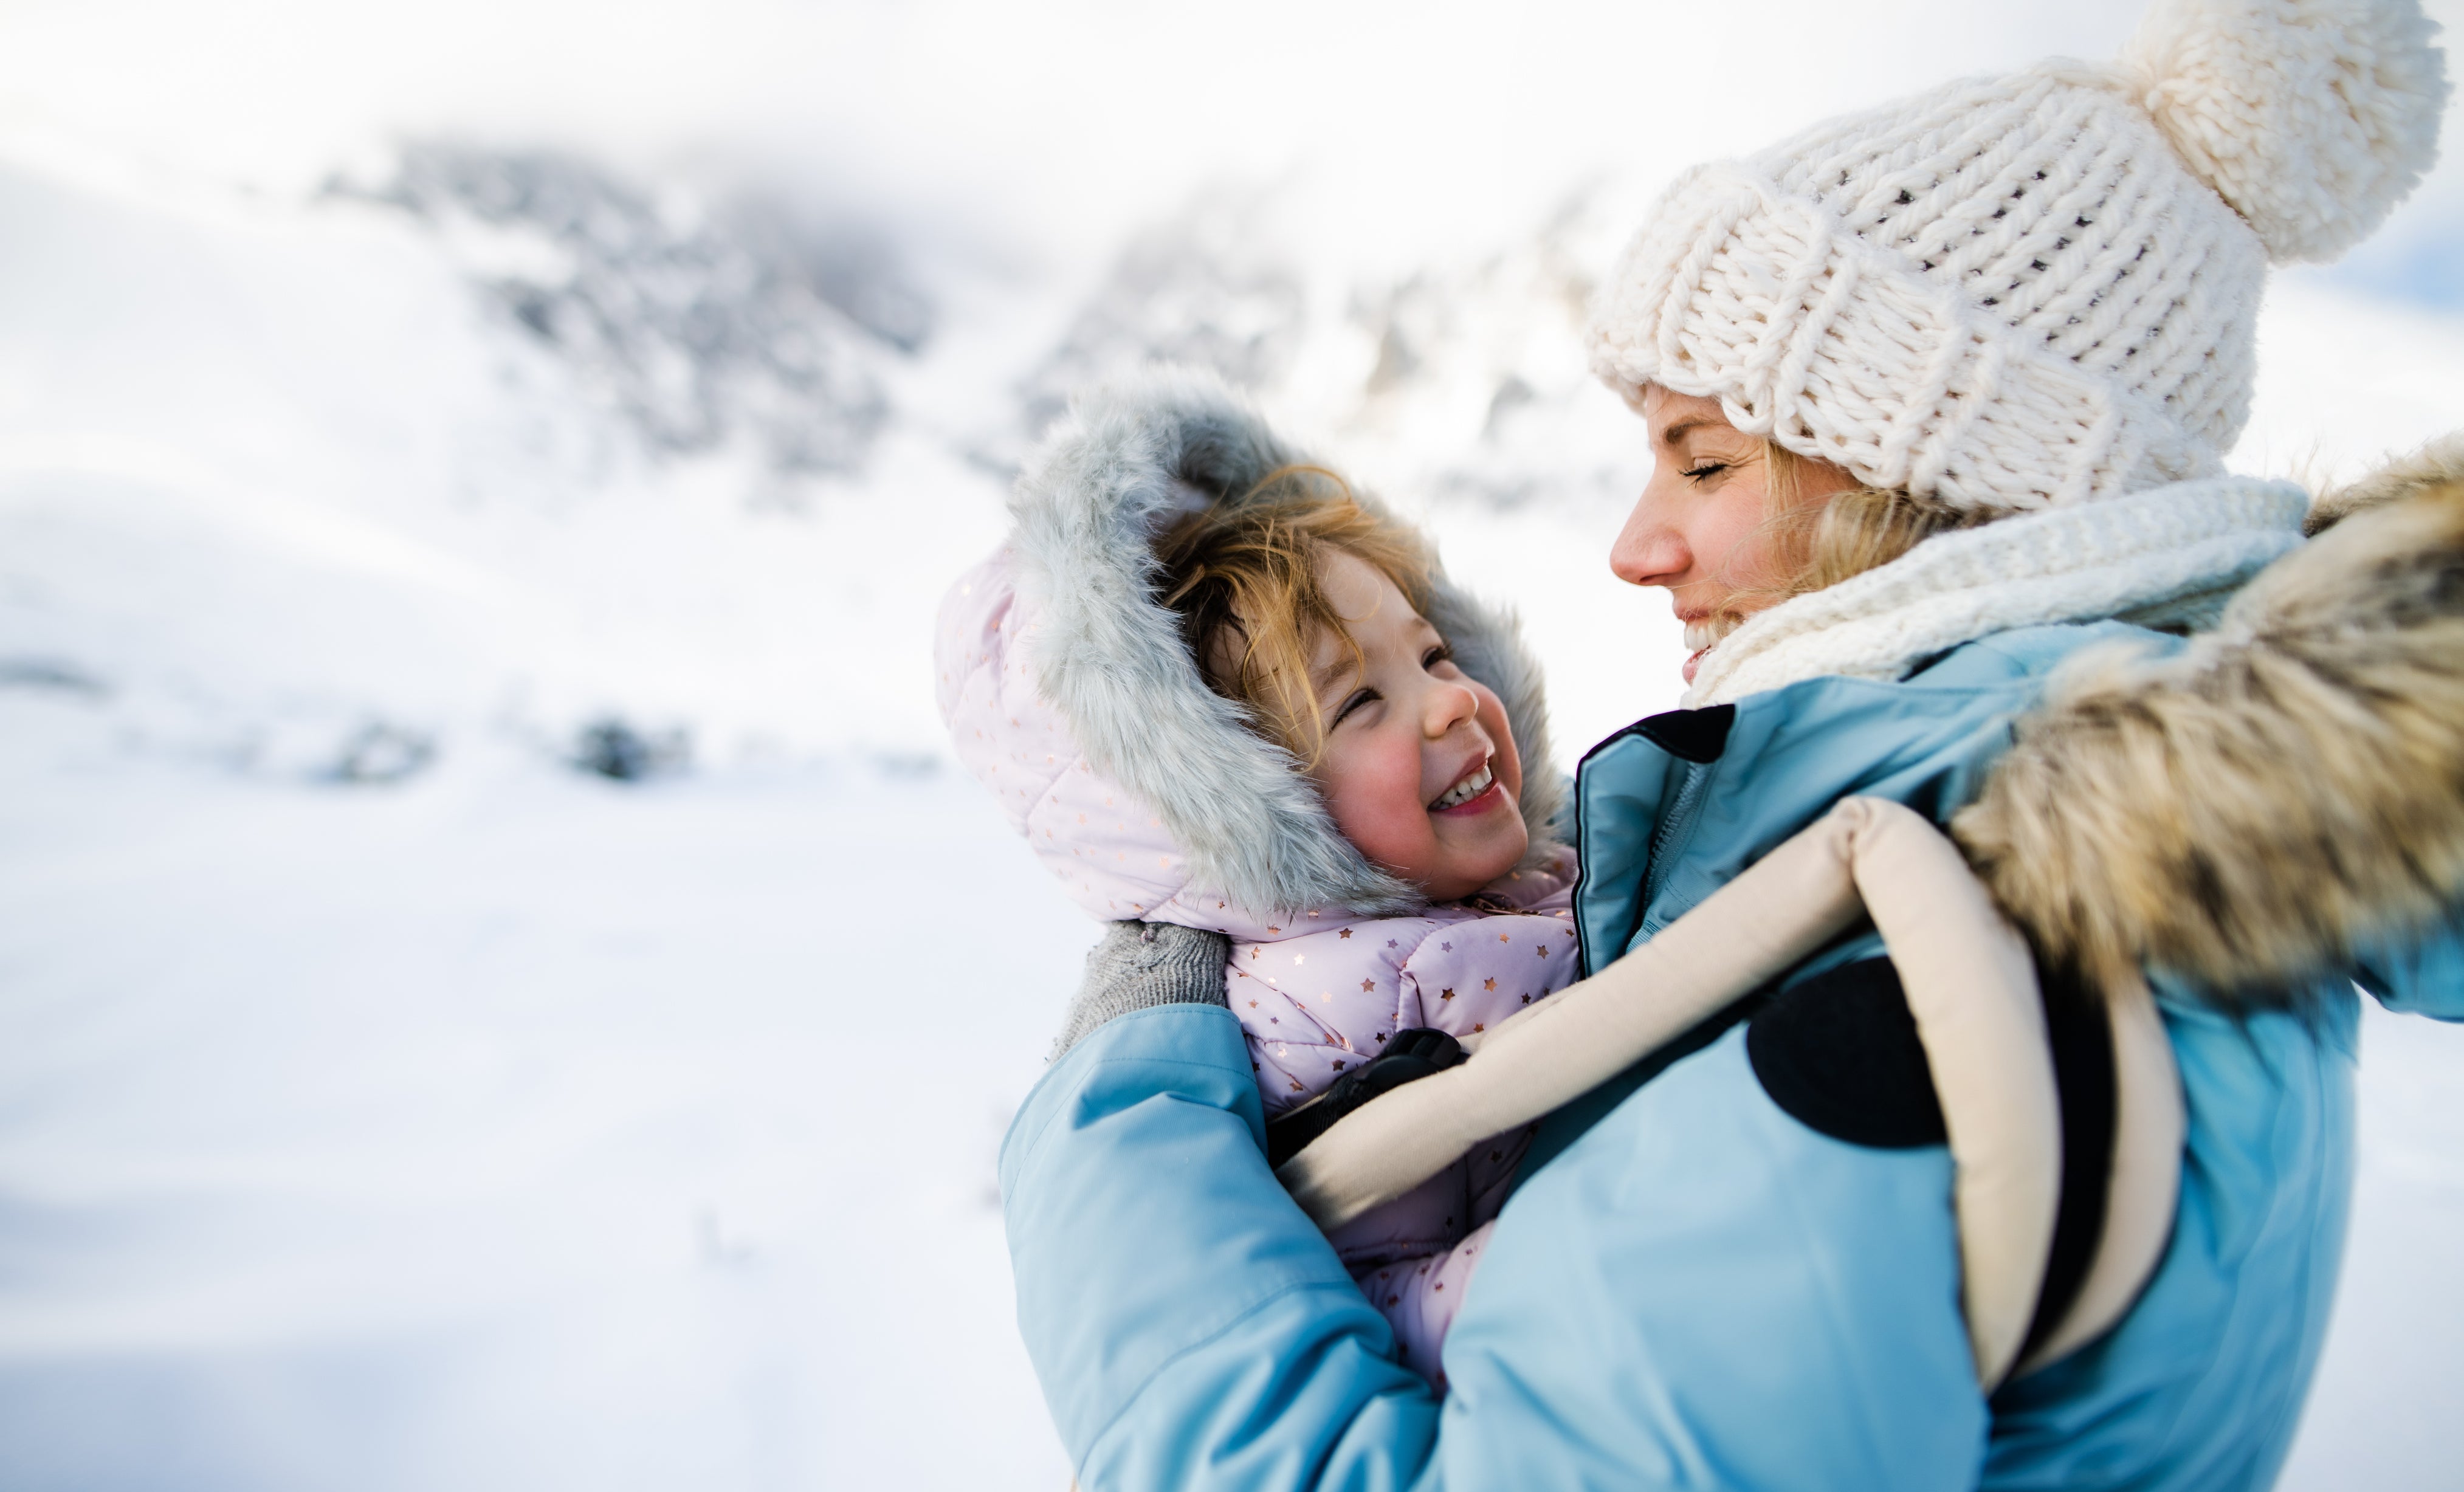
(2258, 808)
(1071, 695)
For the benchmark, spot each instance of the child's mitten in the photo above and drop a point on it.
(1140, 965)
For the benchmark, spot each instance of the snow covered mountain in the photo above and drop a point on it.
(697, 324)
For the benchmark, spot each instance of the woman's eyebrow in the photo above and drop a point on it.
(1681, 429)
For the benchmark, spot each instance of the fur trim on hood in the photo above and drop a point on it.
(2254, 809)
(1108, 660)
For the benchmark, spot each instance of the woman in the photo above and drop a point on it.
(1937, 397)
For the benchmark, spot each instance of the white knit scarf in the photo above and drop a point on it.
(2168, 555)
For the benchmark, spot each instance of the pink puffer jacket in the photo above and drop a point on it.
(1070, 693)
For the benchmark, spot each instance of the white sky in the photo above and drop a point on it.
(1044, 127)
(1071, 116)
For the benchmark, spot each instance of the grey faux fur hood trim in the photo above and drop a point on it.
(2257, 809)
(1127, 459)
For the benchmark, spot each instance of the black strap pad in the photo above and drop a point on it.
(1839, 1054)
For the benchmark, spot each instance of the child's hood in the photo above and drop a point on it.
(1071, 694)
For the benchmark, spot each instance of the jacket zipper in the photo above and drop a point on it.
(1668, 839)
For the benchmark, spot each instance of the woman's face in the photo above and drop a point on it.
(1702, 527)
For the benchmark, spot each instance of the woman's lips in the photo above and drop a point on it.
(1702, 635)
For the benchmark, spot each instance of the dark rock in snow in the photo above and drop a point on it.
(53, 674)
(614, 749)
(380, 753)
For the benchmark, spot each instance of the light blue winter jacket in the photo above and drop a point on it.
(1691, 1289)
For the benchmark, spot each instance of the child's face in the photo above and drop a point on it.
(1419, 769)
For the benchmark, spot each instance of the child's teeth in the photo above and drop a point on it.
(1468, 789)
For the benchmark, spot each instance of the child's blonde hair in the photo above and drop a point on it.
(1248, 572)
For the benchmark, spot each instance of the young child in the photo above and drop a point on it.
(1213, 686)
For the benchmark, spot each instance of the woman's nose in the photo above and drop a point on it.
(1647, 551)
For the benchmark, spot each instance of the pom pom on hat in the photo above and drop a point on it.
(2312, 118)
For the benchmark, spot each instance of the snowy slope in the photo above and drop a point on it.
(387, 1102)
(507, 1129)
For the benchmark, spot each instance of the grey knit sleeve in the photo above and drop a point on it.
(1140, 965)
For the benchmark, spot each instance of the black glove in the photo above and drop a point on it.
(1407, 1057)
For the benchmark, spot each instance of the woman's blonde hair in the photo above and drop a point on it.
(1246, 578)
(1820, 544)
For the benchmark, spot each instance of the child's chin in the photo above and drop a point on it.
(1491, 863)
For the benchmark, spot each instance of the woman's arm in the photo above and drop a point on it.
(1700, 1291)
(1191, 1328)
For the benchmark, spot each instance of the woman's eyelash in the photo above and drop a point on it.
(1442, 653)
(1707, 468)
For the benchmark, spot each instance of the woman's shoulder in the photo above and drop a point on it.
(2027, 653)
(1984, 680)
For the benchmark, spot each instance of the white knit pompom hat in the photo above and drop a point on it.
(2014, 292)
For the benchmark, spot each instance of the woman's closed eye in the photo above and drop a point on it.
(1706, 472)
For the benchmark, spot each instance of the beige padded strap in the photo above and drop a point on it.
(1758, 926)
(1969, 985)
(2151, 1124)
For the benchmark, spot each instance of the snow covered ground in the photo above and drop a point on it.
(386, 1101)
(507, 1128)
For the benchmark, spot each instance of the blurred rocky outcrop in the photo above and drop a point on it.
(1456, 377)
(1200, 288)
(699, 322)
